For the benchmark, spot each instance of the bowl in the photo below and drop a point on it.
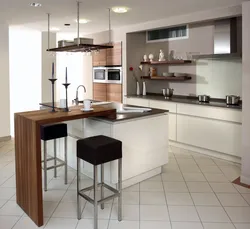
(168, 74)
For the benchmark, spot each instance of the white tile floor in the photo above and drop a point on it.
(193, 192)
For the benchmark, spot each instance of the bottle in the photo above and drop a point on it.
(144, 91)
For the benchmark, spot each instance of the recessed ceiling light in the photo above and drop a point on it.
(120, 9)
(35, 4)
(82, 21)
(55, 29)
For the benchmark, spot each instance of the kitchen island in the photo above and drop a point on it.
(145, 143)
(145, 147)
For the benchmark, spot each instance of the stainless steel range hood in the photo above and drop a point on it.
(227, 40)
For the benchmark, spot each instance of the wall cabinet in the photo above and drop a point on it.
(114, 55)
(108, 57)
(100, 58)
(114, 93)
(107, 92)
(100, 91)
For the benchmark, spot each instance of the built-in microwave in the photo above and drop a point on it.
(107, 75)
(99, 74)
(114, 75)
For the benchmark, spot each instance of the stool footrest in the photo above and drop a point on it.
(90, 188)
(90, 200)
(56, 166)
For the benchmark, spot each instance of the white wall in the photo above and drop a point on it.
(25, 71)
(47, 59)
(79, 72)
(4, 85)
(245, 171)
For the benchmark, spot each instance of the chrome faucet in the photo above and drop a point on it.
(76, 100)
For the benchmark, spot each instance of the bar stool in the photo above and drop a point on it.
(98, 150)
(53, 132)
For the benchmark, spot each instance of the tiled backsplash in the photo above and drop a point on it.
(216, 78)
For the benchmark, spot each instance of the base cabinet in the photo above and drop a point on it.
(210, 134)
(100, 91)
(114, 93)
(137, 102)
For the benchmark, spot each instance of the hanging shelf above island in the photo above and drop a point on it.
(80, 48)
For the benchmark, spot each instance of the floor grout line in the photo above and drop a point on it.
(216, 195)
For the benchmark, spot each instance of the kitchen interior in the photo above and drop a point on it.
(172, 93)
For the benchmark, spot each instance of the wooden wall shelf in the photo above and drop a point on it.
(168, 62)
(176, 78)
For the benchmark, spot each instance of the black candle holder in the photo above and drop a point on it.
(66, 109)
(53, 80)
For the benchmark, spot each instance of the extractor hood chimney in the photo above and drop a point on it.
(227, 39)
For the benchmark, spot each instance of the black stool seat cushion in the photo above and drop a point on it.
(99, 149)
(53, 131)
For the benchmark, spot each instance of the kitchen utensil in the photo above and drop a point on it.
(168, 74)
(83, 40)
(167, 92)
(64, 43)
(204, 98)
(232, 100)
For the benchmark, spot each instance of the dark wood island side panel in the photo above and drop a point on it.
(28, 154)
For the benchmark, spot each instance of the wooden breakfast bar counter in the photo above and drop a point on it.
(29, 194)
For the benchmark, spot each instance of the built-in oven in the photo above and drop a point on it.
(114, 75)
(100, 75)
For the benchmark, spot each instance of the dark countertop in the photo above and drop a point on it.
(119, 117)
(189, 100)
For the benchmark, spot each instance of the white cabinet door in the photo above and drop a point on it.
(171, 116)
(172, 126)
(210, 134)
(137, 102)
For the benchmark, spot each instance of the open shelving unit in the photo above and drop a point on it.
(169, 78)
(167, 62)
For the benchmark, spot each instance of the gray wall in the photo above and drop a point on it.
(214, 77)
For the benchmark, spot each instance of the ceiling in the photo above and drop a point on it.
(18, 12)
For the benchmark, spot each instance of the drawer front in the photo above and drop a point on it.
(224, 114)
(163, 105)
(215, 135)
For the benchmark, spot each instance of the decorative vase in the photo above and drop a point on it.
(144, 91)
(151, 57)
(137, 88)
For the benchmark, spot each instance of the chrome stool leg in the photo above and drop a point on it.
(120, 189)
(45, 164)
(78, 189)
(102, 181)
(95, 198)
(55, 175)
(66, 160)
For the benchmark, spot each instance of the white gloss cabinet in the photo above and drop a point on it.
(137, 102)
(216, 135)
(171, 107)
